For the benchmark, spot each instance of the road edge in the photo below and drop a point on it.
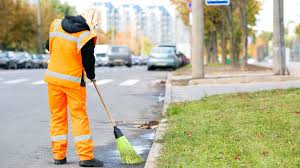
(162, 127)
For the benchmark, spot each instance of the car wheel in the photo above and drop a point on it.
(12, 65)
(111, 65)
(128, 65)
(150, 68)
(27, 66)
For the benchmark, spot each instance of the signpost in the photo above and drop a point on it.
(197, 20)
(217, 2)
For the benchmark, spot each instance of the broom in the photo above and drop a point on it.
(126, 150)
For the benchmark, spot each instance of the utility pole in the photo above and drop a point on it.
(39, 23)
(197, 39)
(279, 65)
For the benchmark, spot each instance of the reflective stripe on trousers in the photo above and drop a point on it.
(59, 138)
(59, 99)
(63, 76)
(82, 138)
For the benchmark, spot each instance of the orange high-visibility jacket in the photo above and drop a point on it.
(65, 66)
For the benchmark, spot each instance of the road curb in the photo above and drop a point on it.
(162, 127)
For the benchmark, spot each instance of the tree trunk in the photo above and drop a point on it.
(244, 18)
(208, 49)
(214, 47)
(223, 41)
(231, 34)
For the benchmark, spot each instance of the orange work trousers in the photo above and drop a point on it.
(75, 99)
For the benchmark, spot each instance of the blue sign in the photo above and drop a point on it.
(217, 2)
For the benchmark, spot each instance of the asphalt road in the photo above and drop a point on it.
(132, 94)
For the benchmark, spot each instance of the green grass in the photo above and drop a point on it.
(260, 129)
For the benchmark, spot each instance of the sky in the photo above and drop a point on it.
(291, 14)
(264, 19)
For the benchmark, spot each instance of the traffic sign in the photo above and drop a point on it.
(190, 6)
(217, 2)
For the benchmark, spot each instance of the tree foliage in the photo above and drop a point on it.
(214, 17)
(297, 31)
(19, 29)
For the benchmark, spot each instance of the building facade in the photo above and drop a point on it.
(153, 22)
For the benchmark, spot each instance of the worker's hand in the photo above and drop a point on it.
(93, 80)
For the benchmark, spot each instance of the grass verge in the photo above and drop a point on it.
(260, 129)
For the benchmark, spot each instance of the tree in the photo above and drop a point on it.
(244, 21)
(20, 28)
(297, 31)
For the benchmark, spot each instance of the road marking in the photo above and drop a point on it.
(103, 82)
(129, 82)
(15, 81)
(38, 82)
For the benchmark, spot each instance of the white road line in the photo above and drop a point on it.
(15, 81)
(129, 82)
(103, 82)
(38, 82)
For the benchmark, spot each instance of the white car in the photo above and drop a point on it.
(101, 59)
(100, 55)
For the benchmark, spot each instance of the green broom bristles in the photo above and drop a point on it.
(127, 152)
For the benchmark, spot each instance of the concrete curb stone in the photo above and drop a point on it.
(162, 127)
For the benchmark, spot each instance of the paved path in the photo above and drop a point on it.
(195, 92)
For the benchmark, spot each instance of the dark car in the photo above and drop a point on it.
(8, 60)
(24, 60)
(163, 57)
(119, 55)
(38, 60)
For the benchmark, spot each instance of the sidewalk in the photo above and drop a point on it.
(293, 67)
(185, 89)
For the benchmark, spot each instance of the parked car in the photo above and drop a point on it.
(144, 60)
(100, 55)
(37, 60)
(119, 55)
(182, 58)
(101, 59)
(8, 60)
(135, 60)
(163, 57)
(24, 60)
(45, 60)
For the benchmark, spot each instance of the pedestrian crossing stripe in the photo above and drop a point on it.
(102, 82)
(15, 81)
(129, 82)
(39, 82)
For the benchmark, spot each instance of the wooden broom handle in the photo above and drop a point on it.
(104, 105)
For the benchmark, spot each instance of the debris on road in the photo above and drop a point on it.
(149, 125)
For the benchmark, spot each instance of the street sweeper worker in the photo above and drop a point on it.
(71, 45)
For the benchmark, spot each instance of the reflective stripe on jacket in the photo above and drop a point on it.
(65, 66)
